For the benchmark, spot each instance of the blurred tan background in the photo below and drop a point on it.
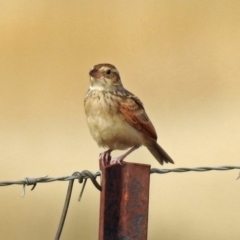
(181, 58)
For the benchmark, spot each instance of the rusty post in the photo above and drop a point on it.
(124, 202)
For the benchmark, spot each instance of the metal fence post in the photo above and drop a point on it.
(124, 202)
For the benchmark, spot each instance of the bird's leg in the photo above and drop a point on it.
(105, 157)
(120, 158)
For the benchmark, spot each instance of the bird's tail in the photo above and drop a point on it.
(159, 153)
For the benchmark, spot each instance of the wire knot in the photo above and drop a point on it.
(83, 177)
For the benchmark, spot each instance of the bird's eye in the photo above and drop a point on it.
(109, 72)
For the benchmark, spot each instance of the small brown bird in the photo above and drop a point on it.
(117, 118)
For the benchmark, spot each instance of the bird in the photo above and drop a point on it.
(116, 117)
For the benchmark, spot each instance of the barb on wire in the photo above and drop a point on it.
(31, 181)
(238, 176)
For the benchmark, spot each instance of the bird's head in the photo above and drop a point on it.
(104, 76)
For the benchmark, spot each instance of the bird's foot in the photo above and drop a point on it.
(120, 159)
(105, 158)
(117, 160)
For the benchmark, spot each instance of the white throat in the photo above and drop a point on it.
(97, 87)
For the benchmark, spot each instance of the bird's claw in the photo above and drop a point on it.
(105, 158)
(117, 160)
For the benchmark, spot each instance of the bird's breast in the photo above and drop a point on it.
(100, 102)
(107, 125)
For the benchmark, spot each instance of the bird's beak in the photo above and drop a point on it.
(95, 73)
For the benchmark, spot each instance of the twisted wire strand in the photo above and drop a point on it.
(197, 169)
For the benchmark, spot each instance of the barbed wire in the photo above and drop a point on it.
(85, 174)
(81, 176)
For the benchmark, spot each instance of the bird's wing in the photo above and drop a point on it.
(133, 111)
